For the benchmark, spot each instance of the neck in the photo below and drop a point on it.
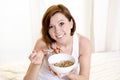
(66, 45)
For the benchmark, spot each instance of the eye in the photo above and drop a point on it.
(61, 23)
(50, 27)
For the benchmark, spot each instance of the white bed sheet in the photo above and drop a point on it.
(104, 66)
(13, 72)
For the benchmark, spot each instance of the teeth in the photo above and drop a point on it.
(59, 36)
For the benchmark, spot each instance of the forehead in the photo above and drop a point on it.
(58, 17)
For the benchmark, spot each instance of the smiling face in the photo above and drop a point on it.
(57, 24)
(60, 27)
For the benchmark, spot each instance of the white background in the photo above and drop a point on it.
(20, 24)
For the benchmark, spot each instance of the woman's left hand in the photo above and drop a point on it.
(70, 75)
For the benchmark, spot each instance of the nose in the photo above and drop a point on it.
(57, 30)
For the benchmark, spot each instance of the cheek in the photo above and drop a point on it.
(67, 29)
(51, 33)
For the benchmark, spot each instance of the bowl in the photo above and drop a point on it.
(61, 63)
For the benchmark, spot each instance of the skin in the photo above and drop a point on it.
(59, 30)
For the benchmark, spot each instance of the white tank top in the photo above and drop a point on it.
(44, 72)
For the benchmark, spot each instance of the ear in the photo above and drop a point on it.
(71, 23)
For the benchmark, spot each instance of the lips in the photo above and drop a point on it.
(59, 36)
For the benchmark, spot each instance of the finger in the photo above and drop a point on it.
(45, 51)
(71, 74)
(73, 71)
(34, 51)
(54, 73)
(60, 75)
(38, 59)
(34, 61)
(32, 55)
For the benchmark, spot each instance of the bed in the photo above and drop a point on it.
(104, 66)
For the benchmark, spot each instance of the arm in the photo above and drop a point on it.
(36, 59)
(32, 72)
(85, 56)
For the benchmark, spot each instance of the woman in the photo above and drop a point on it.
(58, 35)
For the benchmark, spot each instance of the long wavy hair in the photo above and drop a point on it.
(46, 21)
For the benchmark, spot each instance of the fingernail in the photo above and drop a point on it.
(33, 51)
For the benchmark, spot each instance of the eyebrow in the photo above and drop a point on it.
(58, 21)
(61, 20)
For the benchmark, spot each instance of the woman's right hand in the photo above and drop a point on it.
(37, 57)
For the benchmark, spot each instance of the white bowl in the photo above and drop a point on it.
(56, 58)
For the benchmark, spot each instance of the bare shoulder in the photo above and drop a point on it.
(40, 44)
(84, 44)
